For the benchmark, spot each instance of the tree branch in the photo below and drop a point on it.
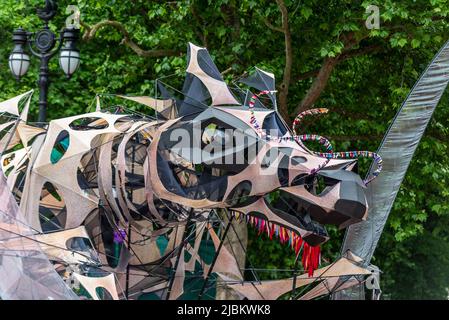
(318, 84)
(284, 87)
(272, 27)
(326, 69)
(436, 134)
(306, 75)
(358, 52)
(226, 71)
(343, 57)
(91, 32)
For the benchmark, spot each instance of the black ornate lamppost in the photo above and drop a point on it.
(42, 45)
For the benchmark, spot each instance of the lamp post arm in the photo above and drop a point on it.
(30, 46)
(59, 45)
(50, 54)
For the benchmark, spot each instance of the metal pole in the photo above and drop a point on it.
(209, 272)
(43, 82)
(295, 275)
(129, 222)
(185, 239)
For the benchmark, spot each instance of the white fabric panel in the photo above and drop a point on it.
(12, 105)
(25, 274)
(92, 283)
(218, 90)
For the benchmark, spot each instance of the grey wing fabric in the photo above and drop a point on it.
(396, 150)
(25, 274)
(261, 80)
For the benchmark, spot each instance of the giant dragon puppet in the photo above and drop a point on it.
(126, 202)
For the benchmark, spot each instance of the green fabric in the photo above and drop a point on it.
(162, 243)
(117, 250)
(148, 296)
(59, 149)
(194, 282)
(207, 251)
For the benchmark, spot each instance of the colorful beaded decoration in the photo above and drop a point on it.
(355, 154)
(314, 137)
(307, 113)
(337, 155)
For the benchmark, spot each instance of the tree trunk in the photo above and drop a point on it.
(318, 85)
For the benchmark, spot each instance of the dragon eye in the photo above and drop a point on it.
(208, 133)
(213, 133)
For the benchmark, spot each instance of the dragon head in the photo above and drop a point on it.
(110, 170)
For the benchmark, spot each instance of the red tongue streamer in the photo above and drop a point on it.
(310, 255)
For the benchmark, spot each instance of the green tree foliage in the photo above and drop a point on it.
(321, 53)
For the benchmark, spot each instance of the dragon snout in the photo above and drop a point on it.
(334, 197)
